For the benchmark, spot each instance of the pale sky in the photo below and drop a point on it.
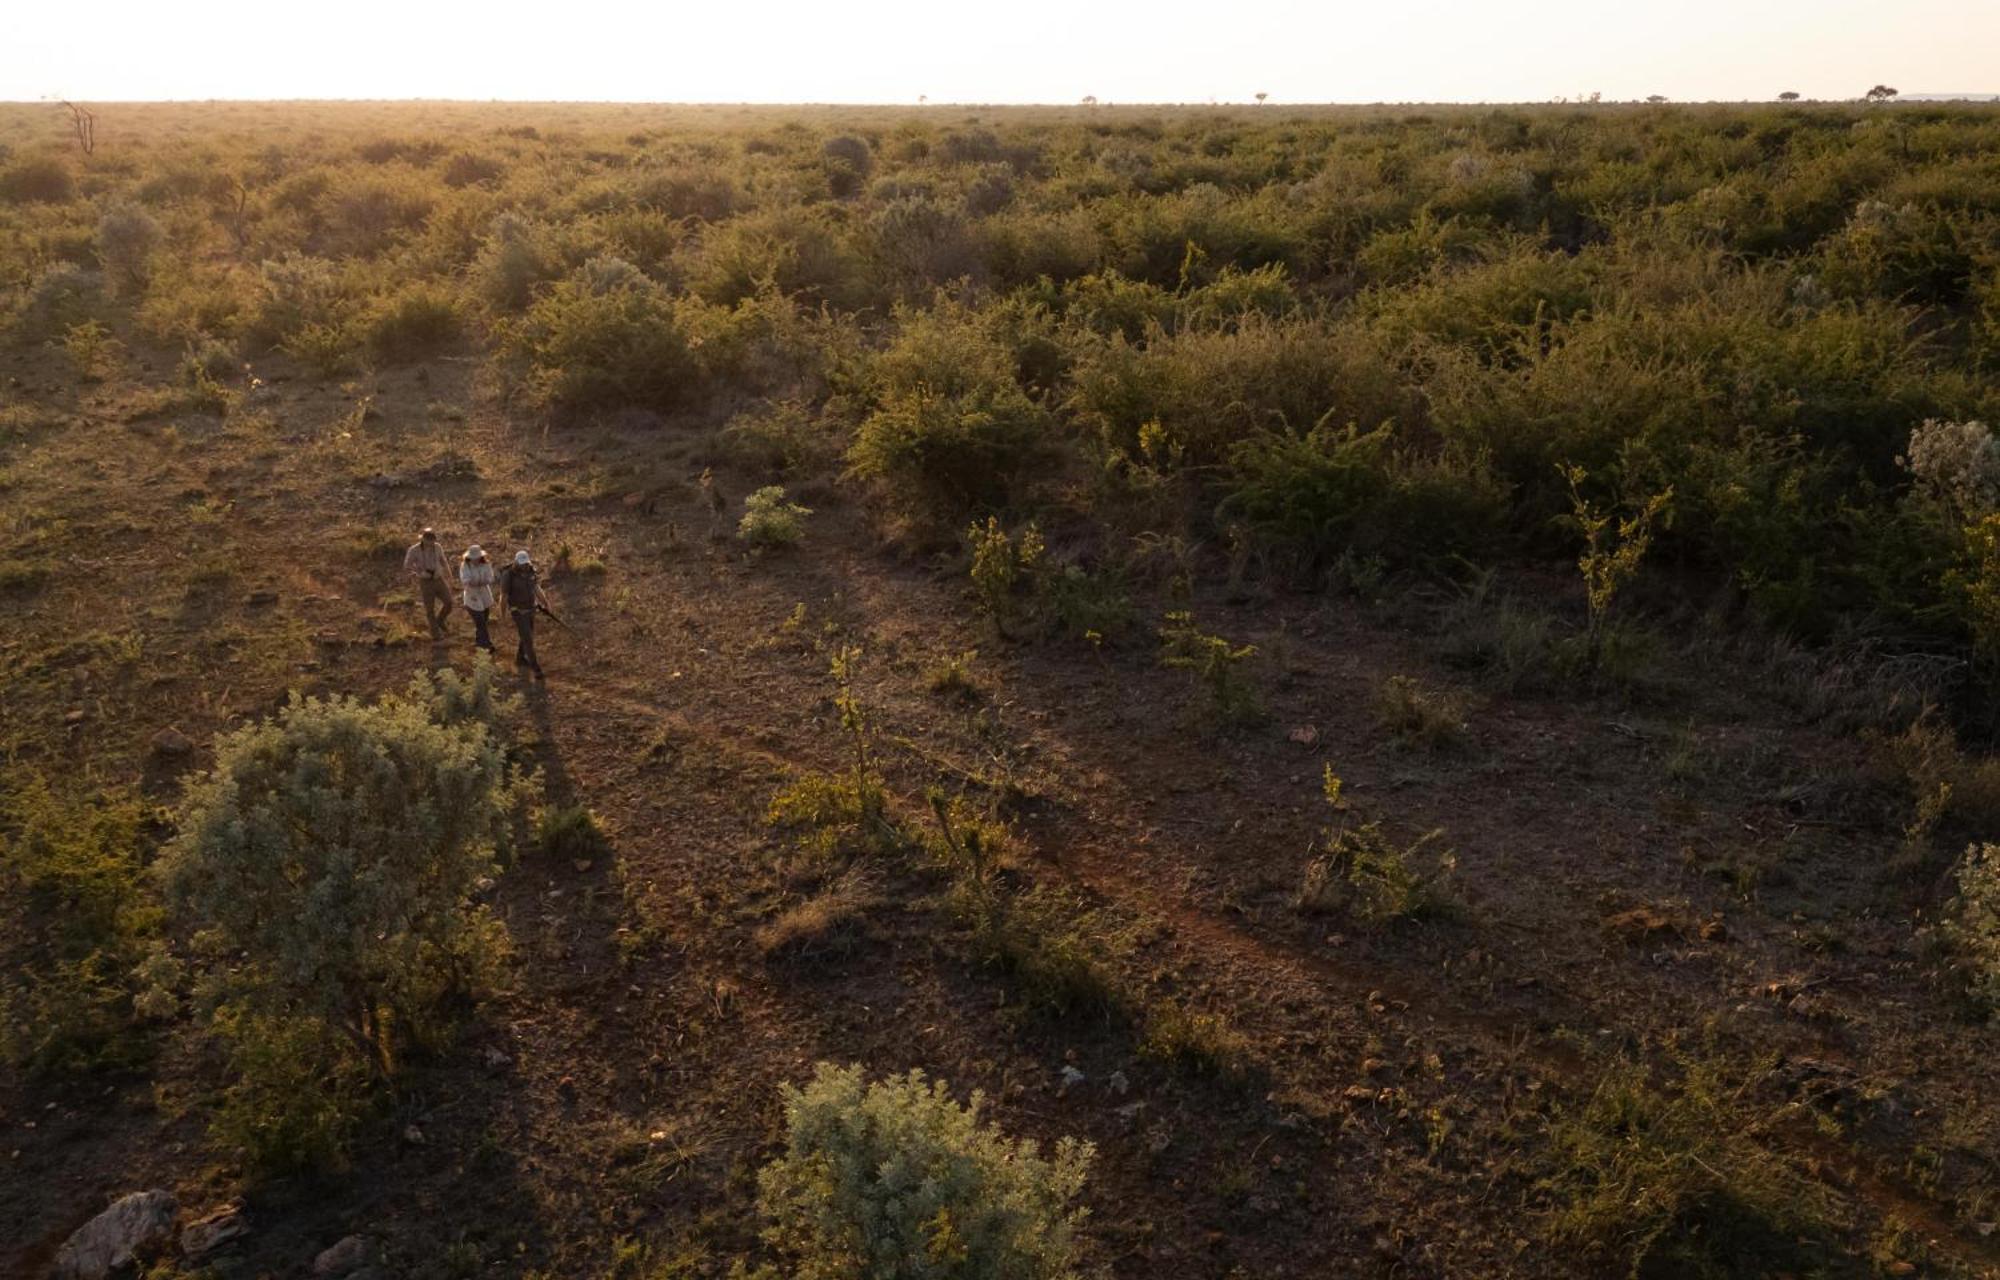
(892, 51)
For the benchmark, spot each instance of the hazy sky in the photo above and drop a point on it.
(1011, 51)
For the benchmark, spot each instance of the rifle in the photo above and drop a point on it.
(551, 615)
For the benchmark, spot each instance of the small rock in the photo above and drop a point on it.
(346, 1257)
(1305, 735)
(413, 1135)
(496, 1059)
(204, 1236)
(171, 744)
(135, 1226)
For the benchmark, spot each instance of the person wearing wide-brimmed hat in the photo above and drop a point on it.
(426, 562)
(475, 580)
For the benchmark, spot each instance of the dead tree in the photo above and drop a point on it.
(84, 121)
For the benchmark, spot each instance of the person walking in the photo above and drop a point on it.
(475, 579)
(425, 562)
(521, 588)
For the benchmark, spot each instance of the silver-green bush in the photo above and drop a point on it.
(896, 1181)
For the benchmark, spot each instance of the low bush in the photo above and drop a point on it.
(411, 324)
(1331, 490)
(769, 520)
(939, 456)
(570, 833)
(127, 238)
(892, 1178)
(327, 871)
(37, 180)
(603, 338)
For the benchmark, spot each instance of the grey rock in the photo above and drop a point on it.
(346, 1257)
(135, 1226)
(171, 744)
(205, 1235)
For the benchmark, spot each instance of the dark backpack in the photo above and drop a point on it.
(517, 582)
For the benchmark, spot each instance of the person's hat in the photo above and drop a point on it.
(520, 557)
(429, 533)
(475, 552)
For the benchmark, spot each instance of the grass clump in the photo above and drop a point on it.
(829, 922)
(1674, 1181)
(896, 1180)
(1360, 869)
(1425, 719)
(570, 832)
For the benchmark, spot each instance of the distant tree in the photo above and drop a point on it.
(1596, 96)
(1089, 99)
(1261, 96)
(1881, 93)
(1656, 98)
(1788, 96)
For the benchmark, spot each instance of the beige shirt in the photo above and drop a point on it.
(476, 576)
(423, 559)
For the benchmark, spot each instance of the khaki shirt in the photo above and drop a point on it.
(427, 561)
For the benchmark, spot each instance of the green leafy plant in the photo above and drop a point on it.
(1613, 548)
(1359, 869)
(769, 520)
(1217, 667)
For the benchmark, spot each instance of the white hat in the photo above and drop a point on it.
(474, 552)
(520, 557)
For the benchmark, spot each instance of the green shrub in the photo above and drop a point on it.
(771, 521)
(603, 338)
(514, 261)
(37, 180)
(1332, 491)
(334, 855)
(894, 1180)
(411, 324)
(939, 456)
